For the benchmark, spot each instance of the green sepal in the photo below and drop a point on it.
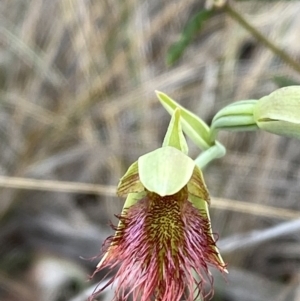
(200, 204)
(203, 208)
(131, 199)
(165, 171)
(174, 136)
(197, 187)
(130, 182)
(193, 126)
(279, 112)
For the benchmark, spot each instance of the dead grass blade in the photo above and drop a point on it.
(72, 187)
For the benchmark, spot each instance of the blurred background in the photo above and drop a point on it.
(77, 81)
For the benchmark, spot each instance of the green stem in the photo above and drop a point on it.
(261, 38)
(214, 152)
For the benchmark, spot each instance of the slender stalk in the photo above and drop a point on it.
(261, 38)
(214, 152)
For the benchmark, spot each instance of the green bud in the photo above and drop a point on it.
(237, 116)
(279, 112)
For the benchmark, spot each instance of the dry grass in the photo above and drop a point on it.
(77, 83)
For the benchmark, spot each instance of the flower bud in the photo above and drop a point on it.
(237, 116)
(279, 112)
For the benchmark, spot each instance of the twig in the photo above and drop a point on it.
(261, 38)
(254, 238)
(78, 187)
(49, 185)
(256, 209)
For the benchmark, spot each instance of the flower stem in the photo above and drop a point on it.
(214, 152)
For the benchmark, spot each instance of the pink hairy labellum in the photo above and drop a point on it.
(162, 249)
(163, 245)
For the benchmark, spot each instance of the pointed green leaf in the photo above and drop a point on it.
(174, 136)
(194, 25)
(192, 125)
(165, 171)
(130, 182)
(284, 81)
